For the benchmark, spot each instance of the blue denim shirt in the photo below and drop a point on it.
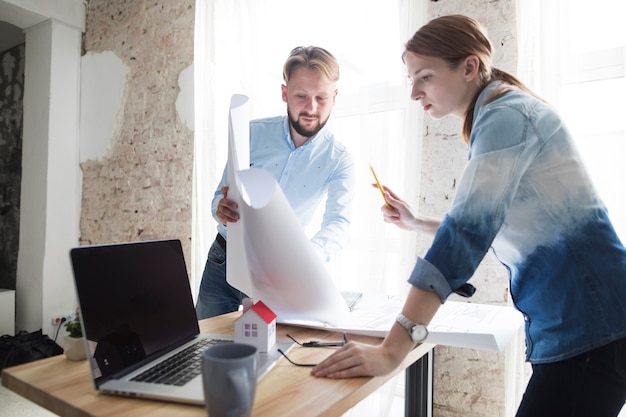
(526, 195)
(321, 167)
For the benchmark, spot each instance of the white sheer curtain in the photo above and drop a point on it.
(240, 47)
(572, 53)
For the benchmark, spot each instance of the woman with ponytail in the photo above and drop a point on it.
(525, 195)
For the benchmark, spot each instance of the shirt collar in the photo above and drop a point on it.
(484, 94)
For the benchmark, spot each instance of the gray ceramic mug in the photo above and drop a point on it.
(229, 377)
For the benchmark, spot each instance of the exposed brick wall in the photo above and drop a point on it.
(467, 382)
(142, 189)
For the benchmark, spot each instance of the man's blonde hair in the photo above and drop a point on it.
(312, 57)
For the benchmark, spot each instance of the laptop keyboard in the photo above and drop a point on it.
(180, 368)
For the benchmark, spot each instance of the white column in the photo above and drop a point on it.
(51, 180)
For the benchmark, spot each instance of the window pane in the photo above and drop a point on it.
(594, 111)
(594, 107)
(595, 26)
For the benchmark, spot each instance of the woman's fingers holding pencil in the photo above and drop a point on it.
(398, 212)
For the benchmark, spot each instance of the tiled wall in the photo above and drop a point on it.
(11, 131)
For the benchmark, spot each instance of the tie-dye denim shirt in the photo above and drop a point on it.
(525, 195)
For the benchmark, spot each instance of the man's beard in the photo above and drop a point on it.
(307, 133)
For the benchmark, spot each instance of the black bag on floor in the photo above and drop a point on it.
(26, 347)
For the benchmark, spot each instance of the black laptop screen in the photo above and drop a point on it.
(135, 301)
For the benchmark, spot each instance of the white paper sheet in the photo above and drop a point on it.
(237, 271)
(286, 272)
(269, 256)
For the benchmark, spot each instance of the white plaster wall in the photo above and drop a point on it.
(29, 291)
(50, 204)
(185, 99)
(103, 78)
(63, 185)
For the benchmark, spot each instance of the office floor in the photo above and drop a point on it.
(13, 405)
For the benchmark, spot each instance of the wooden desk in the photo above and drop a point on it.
(65, 387)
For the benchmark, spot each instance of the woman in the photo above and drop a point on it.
(525, 194)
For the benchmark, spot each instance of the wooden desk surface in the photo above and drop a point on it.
(65, 387)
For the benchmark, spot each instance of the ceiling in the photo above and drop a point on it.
(10, 35)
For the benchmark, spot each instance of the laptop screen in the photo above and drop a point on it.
(135, 301)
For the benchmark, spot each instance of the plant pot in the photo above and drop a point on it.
(74, 348)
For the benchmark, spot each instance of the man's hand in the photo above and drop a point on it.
(226, 208)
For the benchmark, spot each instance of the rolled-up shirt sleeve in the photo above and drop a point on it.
(426, 276)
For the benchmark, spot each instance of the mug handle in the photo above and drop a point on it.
(239, 380)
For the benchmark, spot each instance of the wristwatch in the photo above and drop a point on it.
(417, 332)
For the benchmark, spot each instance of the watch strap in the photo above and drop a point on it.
(405, 322)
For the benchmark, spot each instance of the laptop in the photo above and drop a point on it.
(138, 315)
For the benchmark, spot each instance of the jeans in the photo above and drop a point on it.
(592, 384)
(216, 296)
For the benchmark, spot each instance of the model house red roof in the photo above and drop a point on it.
(263, 311)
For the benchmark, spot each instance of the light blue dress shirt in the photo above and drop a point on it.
(526, 195)
(321, 167)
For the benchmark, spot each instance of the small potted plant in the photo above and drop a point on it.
(73, 343)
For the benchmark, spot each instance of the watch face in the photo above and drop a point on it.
(419, 333)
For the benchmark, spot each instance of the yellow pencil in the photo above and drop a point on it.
(380, 187)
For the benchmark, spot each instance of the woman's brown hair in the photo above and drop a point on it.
(453, 38)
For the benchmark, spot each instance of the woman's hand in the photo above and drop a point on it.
(398, 212)
(356, 359)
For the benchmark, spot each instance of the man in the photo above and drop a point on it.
(307, 162)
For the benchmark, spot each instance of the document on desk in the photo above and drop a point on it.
(270, 258)
(459, 324)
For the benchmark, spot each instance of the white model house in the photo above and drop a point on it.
(256, 326)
